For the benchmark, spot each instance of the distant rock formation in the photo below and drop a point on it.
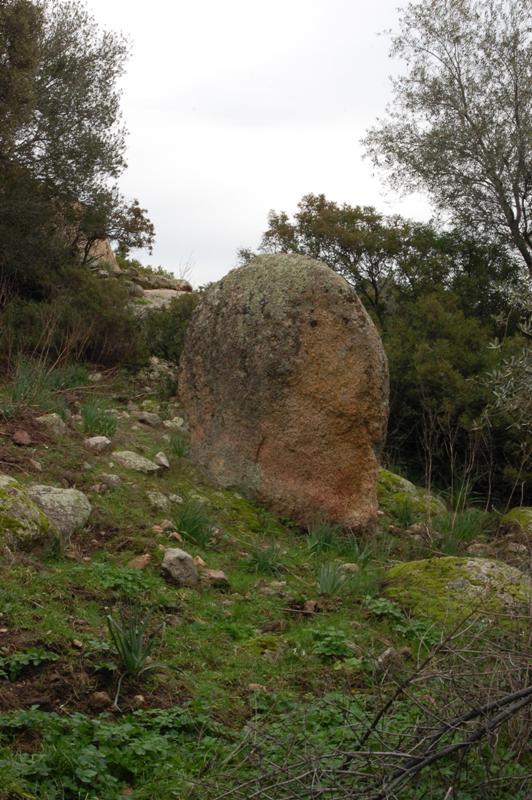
(285, 386)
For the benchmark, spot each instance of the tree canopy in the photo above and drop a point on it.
(460, 124)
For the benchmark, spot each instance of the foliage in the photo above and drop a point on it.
(331, 580)
(459, 126)
(165, 329)
(133, 643)
(13, 664)
(455, 531)
(331, 643)
(193, 522)
(96, 418)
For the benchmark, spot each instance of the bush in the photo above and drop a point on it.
(165, 329)
(267, 560)
(179, 444)
(193, 522)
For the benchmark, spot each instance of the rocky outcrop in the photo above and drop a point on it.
(284, 382)
(448, 589)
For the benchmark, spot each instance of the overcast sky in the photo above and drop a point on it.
(236, 107)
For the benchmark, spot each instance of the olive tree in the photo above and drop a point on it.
(460, 124)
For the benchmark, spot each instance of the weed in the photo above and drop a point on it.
(179, 444)
(96, 419)
(11, 666)
(126, 580)
(405, 514)
(133, 643)
(331, 580)
(331, 643)
(457, 530)
(266, 560)
(194, 523)
(324, 538)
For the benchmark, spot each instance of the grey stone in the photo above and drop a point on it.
(67, 509)
(53, 422)
(131, 460)
(178, 567)
(98, 444)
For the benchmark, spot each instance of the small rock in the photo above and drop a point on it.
(199, 562)
(176, 498)
(389, 658)
(275, 626)
(77, 644)
(53, 422)
(100, 700)
(99, 488)
(257, 687)
(36, 465)
(149, 418)
(517, 548)
(310, 607)
(272, 589)
(140, 562)
(478, 549)
(162, 460)
(175, 536)
(110, 480)
(131, 460)
(98, 444)
(157, 530)
(350, 567)
(22, 438)
(95, 377)
(139, 701)
(167, 525)
(175, 424)
(178, 567)
(158, 501)
(215, 578)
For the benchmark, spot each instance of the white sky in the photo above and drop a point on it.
(236, 107)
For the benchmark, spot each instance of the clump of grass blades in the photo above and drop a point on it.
(267, 560)
(96, 419)
(179, 444)
(133, 643)
(33, 384)
(193, 523)
(324, 538)
(405, 514)
(456, 530)
(331, 580)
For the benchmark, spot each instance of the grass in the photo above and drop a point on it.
(193, 522)
(331, 580)
(266, 560)
(455, 531)
(96, 418)
(179, 444)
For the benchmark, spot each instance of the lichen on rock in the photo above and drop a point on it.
(447, 589)
(518, 519)
(23, 525)
(395, 492)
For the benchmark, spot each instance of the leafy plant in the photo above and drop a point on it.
(11, 666)
(193, 522)
(126, 580)
(133, 643)
(331, 643)
(382, 607)
(323, 538)
(179, 444)
(96, 418)
(267, 560)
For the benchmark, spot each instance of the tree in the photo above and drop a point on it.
(61, 136)
(460, 126)
(386, 258)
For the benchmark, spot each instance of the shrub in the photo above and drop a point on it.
(323, 537)
(457, 530)
(331, 643)
(96, 418)
(194, 523)
(165, 329)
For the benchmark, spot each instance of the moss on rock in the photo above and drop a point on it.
(518, 519)
(23, 525)
(396, 494)
(447, 589)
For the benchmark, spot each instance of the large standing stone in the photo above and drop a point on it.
(284, 382)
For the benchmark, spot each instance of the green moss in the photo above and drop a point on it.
(447, 589)
(22, 523)
(396, 493)
(520, 518)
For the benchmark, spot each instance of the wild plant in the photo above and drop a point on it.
(266, 560)
(193, 523)
(331, 580)
(179, 444)
(96, 419)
